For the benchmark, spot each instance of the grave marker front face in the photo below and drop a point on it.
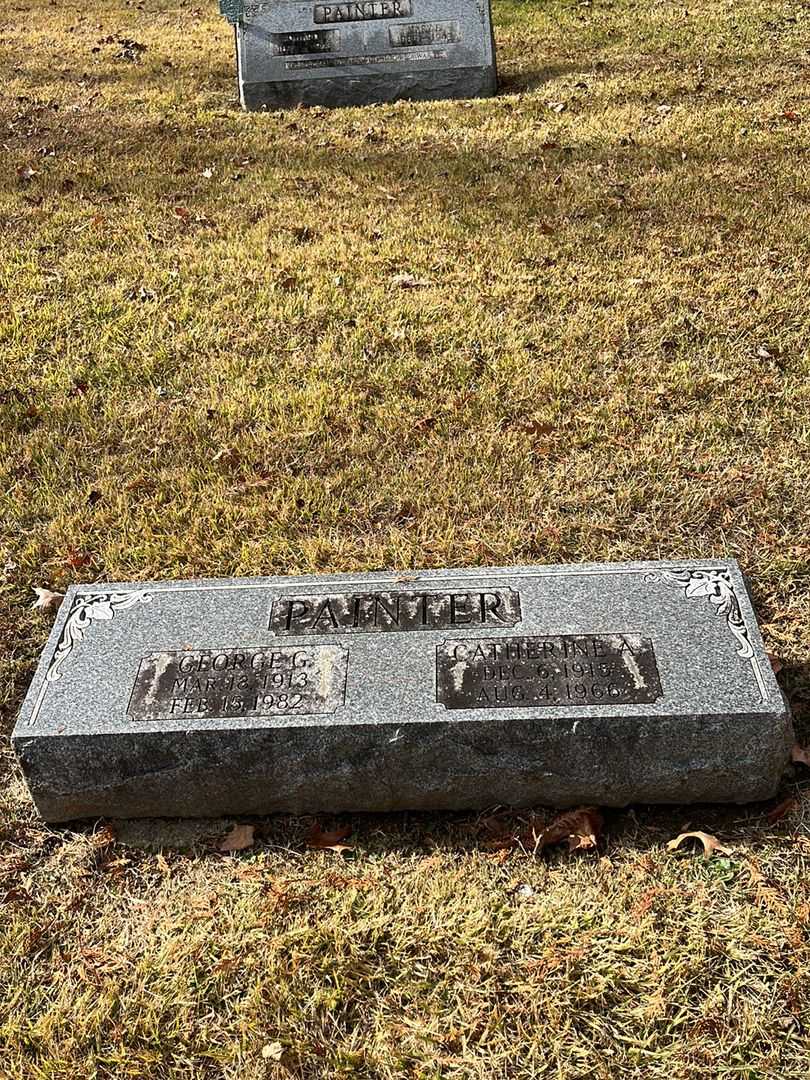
(447, 689)
(356, 53)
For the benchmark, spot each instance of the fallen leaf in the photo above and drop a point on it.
(130, 50)
(408, 281)
(78, 560)
(227, 456)
(141, 293)
(103, 837)
(237, 839)
(710, 843)
(25, 174)
(776, 663)
(500, 834)
(273, 1051)
(319, 840)
(781, 809)
(183, 213)
(47, 599)
(538, 427)
(755, 875)
(800, 754)
(580, 829)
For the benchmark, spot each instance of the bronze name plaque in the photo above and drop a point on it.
(298, 42)
(394, 610)
(272, 681)
(407, 35)
(556, 670)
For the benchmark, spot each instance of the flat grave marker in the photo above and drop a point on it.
(442, 689)
(355, 53)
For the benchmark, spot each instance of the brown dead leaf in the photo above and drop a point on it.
(77, 560)
(237, 839)
(580, 829)
(800, 754)
(782, 809)
(319, 840)
(710, 843)
(755, 875)
(103, 839)
(227, 456)
(47, 599)
(183, 213)
(538, 427)
(776, 663)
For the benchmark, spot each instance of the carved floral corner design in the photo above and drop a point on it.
(719, 588)
(87, 609)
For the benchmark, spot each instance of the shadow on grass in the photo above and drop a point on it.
(635, 829)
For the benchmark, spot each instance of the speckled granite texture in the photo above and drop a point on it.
(346, 54)
(605, 684)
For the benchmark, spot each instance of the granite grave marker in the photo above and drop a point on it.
(440, 689)
(290, 53)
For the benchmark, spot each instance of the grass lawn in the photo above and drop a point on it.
(209, 365)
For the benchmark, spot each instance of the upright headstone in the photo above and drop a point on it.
(290, 52)
(442, 689)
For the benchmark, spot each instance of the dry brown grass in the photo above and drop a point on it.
(218, 374)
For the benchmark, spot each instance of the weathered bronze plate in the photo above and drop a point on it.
(536, 672)
(274, 681)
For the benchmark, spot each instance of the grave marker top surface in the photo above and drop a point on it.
(397, 638)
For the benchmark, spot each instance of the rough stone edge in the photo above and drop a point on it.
(767, 741)
(359, 90)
